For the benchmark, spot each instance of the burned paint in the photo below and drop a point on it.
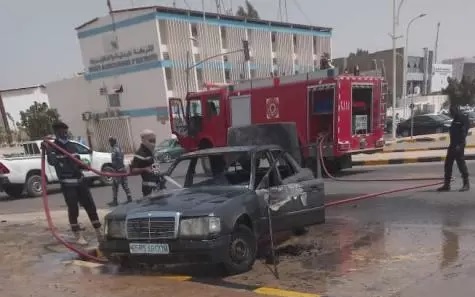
(279, 196)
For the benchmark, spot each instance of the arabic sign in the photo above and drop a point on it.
(125, 58)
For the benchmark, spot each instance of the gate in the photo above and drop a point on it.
(119, 128)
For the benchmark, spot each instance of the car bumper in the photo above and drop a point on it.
(181, 251)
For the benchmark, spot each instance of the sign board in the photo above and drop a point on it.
(124, 58)
(440, 75)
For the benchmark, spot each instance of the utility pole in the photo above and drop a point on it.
(436, 48)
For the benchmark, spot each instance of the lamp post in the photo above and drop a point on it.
(404, 72)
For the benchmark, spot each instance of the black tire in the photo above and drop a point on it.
(242, 251)
(14, 191)
(105, 180)
(33, 185)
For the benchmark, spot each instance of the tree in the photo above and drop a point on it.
(249, 12)
(460, 93)
(359, 52)
(38, 119)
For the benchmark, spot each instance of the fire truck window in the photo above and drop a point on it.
(213, 107)
(362, 107)
(195, 108)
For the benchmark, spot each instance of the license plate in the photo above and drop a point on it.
(149, 248)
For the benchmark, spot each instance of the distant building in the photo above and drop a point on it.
(462, 67)
(13, 101)
(132, 66)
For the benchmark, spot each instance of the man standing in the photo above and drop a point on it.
(145, 163)
(456, 151)
(119, 167)
(75, 189)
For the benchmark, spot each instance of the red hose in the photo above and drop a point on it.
(86, 255)
(320, 147)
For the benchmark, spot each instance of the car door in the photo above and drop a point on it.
(86, 155)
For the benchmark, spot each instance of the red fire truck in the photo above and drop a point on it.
(346, 108)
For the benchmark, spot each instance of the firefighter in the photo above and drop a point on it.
(456, 150)
(74, 187)
(146, 164)
(119, 167)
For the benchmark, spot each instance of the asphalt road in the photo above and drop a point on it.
(407, 244)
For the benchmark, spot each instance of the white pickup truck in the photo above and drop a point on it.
(22, 172)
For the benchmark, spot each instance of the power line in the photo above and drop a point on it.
(302, 11)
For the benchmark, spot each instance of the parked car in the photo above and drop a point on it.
(218, 218)
(23, 172)
(471, 118)
(168, 150)
(425, 124)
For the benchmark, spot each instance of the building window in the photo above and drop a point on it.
(274, 61)
(166, 56)
(199, 77)
(227, 75)
(253, 73)
(213, 106)
(225, 58)
(249, 34)
(224, 38)
(295, 42)
(314, 45)
(169, 78)
(113, 100)
(162, 27)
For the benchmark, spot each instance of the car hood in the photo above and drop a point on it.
(188, 201)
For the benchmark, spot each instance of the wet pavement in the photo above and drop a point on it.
(405, 244)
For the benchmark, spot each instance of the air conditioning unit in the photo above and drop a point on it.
(103, 91)
(96, 117)
(86, 116)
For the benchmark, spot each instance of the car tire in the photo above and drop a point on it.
(14, 191)
(242, 251)
(33, 185)
(166, 158)
(105, 180)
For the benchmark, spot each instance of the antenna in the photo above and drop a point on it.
(436, 48)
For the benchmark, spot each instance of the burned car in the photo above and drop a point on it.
(217, 217)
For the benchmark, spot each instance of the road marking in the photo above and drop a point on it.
(180, 278)
(282, 293)
(86, 264)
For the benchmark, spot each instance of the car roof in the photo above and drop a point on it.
(232, 149)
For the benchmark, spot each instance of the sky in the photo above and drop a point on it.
(39, 43)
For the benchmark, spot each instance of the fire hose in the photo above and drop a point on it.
(84, 254)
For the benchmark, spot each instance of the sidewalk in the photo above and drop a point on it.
(408, 157)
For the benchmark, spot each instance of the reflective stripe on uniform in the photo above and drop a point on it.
(142, 157)
(149, 184)
(70, 180)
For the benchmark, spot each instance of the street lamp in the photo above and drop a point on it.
(396, 11)
(404, 72)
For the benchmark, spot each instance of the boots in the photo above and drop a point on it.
(445, 187)
(79, 238)
(466, 185)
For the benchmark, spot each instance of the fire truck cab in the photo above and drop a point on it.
(346, 109)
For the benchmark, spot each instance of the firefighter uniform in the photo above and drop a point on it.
(456, 151)
(151, 179)
(73, 185)
(119, 167)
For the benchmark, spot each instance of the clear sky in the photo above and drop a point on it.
(39, 44)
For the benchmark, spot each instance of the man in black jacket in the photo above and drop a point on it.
(75, 189)
(456, 150)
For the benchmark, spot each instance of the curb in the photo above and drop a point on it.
(261, 290)
(421, 149)
(405, 161)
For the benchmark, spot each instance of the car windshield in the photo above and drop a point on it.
(226, 169)
(444, 117)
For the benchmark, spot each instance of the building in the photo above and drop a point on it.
(14, 101)
(462, 67)
(418, 69)
(137, 59)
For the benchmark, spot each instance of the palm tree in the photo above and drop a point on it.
(250, 12)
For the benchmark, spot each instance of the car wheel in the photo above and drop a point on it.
(106, 180)
(439, 130)
(14, 191)
(33, 186)
(242, 251)
(166, 158)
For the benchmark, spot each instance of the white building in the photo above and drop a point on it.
(14, 101)
(439, 77)
(462, 67)
(136, 60)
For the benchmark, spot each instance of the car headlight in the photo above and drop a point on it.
(115, 229)
(200, 227)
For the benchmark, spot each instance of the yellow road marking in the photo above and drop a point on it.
(86, 264)
(180, 278)
(282, 293)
